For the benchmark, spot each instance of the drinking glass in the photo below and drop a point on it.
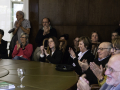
(21, 75)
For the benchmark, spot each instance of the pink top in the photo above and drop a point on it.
(26, 53)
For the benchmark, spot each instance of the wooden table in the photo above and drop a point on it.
(39, 76)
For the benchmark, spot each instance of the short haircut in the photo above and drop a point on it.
(66, 36)
(26, 35)
(86, 41)
(21, 13)
(114, 32)
(55, 40)
(94, 32)
(47, 19)
(116, 42)
(1, 32)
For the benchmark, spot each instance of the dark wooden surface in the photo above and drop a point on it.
(80, 17)
(39, 76)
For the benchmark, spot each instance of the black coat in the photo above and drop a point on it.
(3, 49)
(55, 58)
(90, 75)
(88, 55)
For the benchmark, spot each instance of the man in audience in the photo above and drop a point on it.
(45, 32)
(114, 35)
(104, 52)
(113, 76)
(21, 25)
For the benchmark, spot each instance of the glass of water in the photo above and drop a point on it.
(21, 75)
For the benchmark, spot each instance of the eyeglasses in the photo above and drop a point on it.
(44, 22)
(114, 49)
(102, 49)
(111, 70)
(22, 37)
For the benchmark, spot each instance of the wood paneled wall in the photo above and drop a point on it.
(79, 17)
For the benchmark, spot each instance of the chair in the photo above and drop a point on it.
(45, 44)
(63, 46)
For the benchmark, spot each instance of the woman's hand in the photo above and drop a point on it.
(46, 52)
(98, 71)
(84, 65)
(42, 49)
(18, 45)
(72, 53)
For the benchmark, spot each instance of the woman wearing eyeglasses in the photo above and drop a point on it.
(23, 50)
(116, 46)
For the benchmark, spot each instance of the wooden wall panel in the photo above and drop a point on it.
(104, 12)
(34, 20)
(77, 17)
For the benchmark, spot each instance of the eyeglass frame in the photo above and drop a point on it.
(102, 49)
(22, 37)
(111, 70)
(114, 49)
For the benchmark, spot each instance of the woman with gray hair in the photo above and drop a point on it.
(23, 50)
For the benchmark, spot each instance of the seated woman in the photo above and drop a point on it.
(84, 55)
(76, 49)
(98, 70)
(23, 50)
(3, 46)
(53, 54)
(64, 48)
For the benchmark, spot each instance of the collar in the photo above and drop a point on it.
(80, 53)
(103, 58)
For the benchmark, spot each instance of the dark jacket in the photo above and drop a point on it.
(39, 38)
(90, 75)
(108, 87)
(55, 58)
(89, 56)
(3, 49)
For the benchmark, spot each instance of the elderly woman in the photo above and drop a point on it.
(23, 50)
(53, 54)
(3, 46)
(84, 55)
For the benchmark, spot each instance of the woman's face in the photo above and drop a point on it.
(23, 39)
(82, 47)
(51, 43)
(115, 50)
(76, 41)
(94, 37)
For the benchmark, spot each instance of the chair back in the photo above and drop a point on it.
(62, 46)
(94, 49)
